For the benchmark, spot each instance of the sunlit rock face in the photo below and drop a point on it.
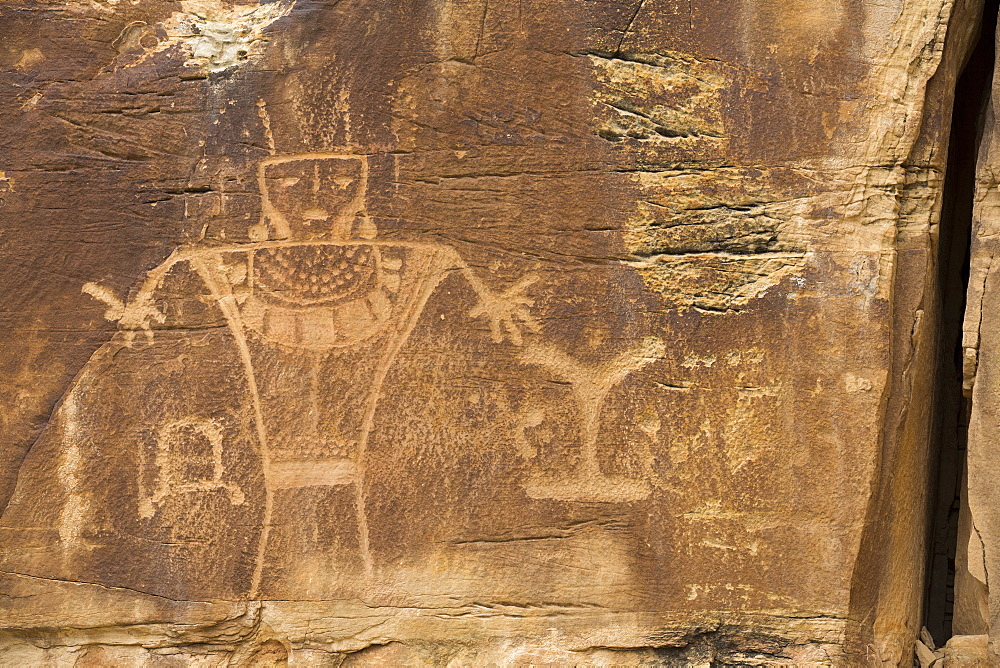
(455, 332)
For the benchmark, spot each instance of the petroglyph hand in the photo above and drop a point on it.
(130, 317)
(507, 311)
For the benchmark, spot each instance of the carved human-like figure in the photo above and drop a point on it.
(301, 326)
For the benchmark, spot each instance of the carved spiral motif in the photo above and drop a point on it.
(311, 275)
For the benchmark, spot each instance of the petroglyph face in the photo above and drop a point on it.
(314, 196)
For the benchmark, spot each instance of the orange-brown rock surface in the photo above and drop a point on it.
(977, 607)
(469, 332)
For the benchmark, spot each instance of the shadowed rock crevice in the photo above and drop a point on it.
(972, 96)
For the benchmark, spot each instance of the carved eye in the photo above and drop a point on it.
(288, 181)
(341, 181)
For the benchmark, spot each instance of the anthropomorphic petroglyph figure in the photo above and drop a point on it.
(590, 385)
(318, 307)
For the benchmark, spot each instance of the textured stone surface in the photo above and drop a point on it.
(519, 331)
(977, 602)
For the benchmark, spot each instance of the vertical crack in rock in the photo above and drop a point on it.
(972, 96)
(888, 579)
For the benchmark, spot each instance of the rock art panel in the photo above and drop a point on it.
(470, 332)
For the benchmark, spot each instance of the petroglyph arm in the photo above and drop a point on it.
(140, 313)
(506, 311)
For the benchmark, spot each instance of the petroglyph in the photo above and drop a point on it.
(302, 194)
(139, 314)
(507, 309)
(318, 240)
(313, 282)
(72, 516)
(187, 458)
(590, 386)
(533, 418)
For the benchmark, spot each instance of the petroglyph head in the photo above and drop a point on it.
(314, 196)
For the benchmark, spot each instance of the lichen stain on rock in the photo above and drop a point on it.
(216, 35)
(714, 239)
(226, 37)
(657, 96)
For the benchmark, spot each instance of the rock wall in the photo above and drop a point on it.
(471, 332)
(977, 603)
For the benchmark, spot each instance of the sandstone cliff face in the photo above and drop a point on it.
(977, 602)
(470, 333)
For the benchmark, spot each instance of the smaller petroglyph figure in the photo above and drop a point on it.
(188, 458)
(590, 385)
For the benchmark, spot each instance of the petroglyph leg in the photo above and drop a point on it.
(219, 289)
